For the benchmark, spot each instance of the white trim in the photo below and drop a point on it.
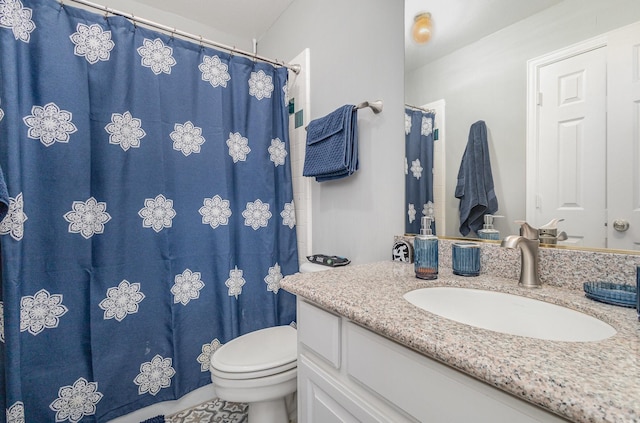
(439, 164)
(300, 90)
(533, 88)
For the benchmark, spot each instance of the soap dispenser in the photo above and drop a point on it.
(425, 251)
(488, 231)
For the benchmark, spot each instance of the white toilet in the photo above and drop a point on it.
(259, 368)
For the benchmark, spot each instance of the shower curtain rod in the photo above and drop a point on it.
(419, 108)
(295, 68)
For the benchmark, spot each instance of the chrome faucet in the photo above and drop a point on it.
(529, 277)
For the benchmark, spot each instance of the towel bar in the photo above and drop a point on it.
(376, 106)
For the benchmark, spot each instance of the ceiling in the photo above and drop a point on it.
(456, 23)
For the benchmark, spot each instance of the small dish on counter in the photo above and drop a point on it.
(612, 293)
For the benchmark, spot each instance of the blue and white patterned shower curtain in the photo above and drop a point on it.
(418, 168)
(151, 214)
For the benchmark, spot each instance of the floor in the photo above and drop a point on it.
(212, 411)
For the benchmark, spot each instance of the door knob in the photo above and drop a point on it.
(620, 225)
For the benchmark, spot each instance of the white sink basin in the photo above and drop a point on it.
(510, 314)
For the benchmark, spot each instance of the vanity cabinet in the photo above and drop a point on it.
(347, 373)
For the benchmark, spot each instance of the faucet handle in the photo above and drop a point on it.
(553, 225)
(527, 230)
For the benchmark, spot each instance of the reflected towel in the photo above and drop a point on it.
(332, 145)
(475, 181)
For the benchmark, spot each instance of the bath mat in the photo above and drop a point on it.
(215, 410)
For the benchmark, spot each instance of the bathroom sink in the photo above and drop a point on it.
(510, 314)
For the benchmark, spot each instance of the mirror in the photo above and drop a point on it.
(487, 80)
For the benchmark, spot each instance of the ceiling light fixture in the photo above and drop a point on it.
(421, 30)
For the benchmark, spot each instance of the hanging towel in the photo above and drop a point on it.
(4, 197)
(475, 182)
(332, 145)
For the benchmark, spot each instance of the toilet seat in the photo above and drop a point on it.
(256, 354)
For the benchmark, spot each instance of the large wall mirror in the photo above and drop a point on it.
(481, 74)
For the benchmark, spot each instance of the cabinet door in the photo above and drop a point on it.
(323, 399)
(427, 390)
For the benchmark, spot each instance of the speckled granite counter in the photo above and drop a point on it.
(581, 381)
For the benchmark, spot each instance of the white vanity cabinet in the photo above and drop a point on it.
(350, 374)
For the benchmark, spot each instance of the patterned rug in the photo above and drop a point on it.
(215, 410)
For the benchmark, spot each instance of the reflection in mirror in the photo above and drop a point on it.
(487, 80)
(418, 129)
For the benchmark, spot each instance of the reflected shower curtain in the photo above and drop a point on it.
(151, 215)
(418, 168)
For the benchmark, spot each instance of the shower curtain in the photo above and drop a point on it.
(418, 168)
(151, 215)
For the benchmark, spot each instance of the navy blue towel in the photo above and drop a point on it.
(332, 145)
(475, 181)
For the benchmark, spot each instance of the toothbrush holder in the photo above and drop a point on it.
(465, 258)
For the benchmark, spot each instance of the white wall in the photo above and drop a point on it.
(487, 81)
(172, 20)
(357, 54)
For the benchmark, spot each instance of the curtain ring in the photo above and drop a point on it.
(173, 33)
(106, 12)
(201, 46)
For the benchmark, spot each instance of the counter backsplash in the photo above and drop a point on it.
(558, 267)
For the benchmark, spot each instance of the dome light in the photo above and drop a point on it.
(421, 30)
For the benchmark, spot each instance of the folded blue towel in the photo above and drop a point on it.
(332, 145)
(4, 197)
(475, 181)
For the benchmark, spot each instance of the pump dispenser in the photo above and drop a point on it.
(425, 253)
(488, 231)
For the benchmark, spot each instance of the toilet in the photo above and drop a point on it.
(260, 369)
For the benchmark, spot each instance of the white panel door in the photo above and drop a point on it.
(571, 168)
(623, 184)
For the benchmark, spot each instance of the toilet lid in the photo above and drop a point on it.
(256, 351)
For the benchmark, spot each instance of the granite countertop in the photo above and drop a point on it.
(580, 381)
